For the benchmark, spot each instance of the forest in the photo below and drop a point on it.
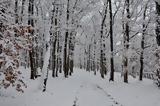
(85, 42)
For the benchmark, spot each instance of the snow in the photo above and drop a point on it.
(47, 14)
(118, 43)
(84, 89)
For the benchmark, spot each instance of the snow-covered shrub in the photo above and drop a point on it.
(13, 39)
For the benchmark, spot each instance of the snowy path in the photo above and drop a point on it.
(81, 90)
(85, 89)
(93, 95)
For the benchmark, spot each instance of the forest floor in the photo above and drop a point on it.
(84, 89)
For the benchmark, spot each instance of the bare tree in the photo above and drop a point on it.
(103, 68)
(126, 41)
(111, 42)
(65, 60)
(31, 52)
(144, 28)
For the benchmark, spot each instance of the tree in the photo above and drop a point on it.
(55, 35)
(65, 60)
(45, 70)
(103, 68)
(31, 52)
(111, 42)
(16, 11)
(126, 41)
(144, 28)
(22, 11)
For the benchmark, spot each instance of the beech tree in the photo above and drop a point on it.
(10, 47)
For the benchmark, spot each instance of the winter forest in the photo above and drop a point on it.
(79, 52)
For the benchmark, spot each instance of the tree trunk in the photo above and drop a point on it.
(31, 52)
(89, 58)
(111, 42)
(22, 11)
(65, 63)
(158, 42)
(103, 68)
(94, 57)
(45, 69)
(72, 44)
(54, 56)
(142, 45)
(16, 11)
(158, 23)
(126, 42)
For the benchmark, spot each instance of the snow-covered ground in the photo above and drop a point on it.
(84, 89)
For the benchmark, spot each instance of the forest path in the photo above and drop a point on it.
(80, 90)
(90, 94)
(83, 89)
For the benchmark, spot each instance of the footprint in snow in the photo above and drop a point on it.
(110, 97)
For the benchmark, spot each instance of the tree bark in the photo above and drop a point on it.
(142, 45)
(158, 23)
(65, 63)
(111, 42)
(31, 52)
(16, 11)
(45, 69)
(126, 42)
(103, 68)
(158, 42)
(22, 10)
(54, 56)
